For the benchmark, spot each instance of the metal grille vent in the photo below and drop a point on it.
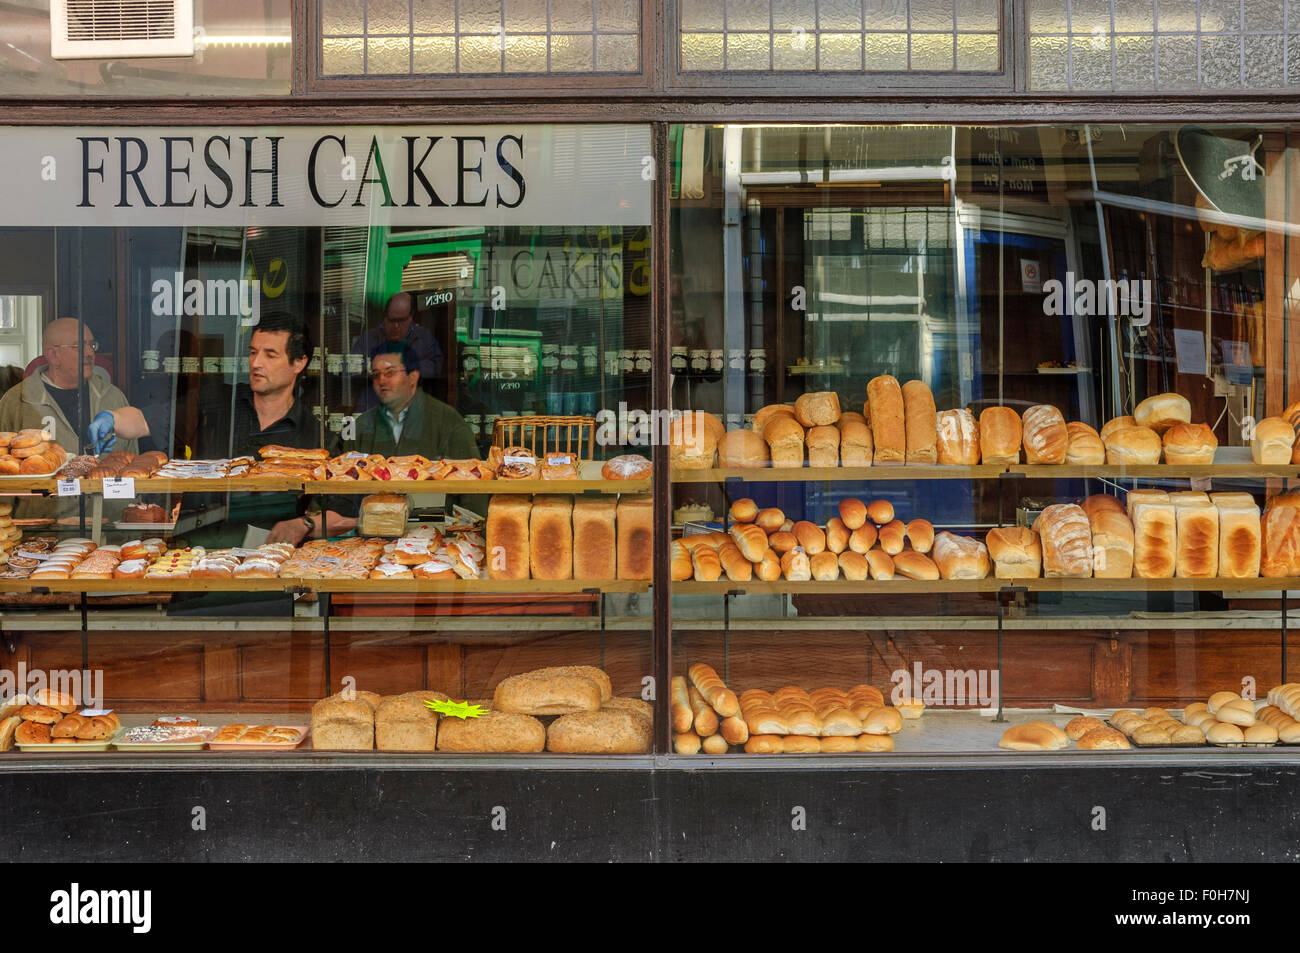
(438, 271)
(98, 29)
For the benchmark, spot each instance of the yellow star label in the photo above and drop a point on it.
(456, 709)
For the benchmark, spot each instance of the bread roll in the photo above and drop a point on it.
(885, 410)
(734, 564)
(1034, 736)
(734, 730)
(795, 566)
(883, 720)
(920, 533)
(751, 540)
(783, 542)
(706, 565)
(854, 566)
(713, 689)
(705, 718)
(823, 446)
(1155, 534)
(1133, 446)
(1066, 538)
(508, 550)
(679, 708)
(1162, 412)
(1271, 445)
(960, 557)
(765, 744)
(1197, 529)
(785, 441)
(1221, 733)
(1016, 552)
(769, 569)
(1238, 711)
(1076, 728)
(920, 423)
(686, 742)
(856, 444)
(743, 511)
(550, 537)
(914, 565)
(1190, 445)
(881, 566)
(880, 512)
(875, 743)
(769, 520)
(1260, 735)
(681, 568)
(693, 440)
(837, 535)
(1045, 438)
(1103, 739)
(811, 537)
(1000, 435)
(1114, 424)
(853, 512)
(863, 538)
(742, 449)
(1112, 537)
(1084, 446)
(958, 438)
(818, 409)
(825, 566)
(892, 537)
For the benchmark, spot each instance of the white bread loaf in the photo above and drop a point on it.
(960, 557)
(1045, 437)
(1239, 535)
(1163, 411)
(1155, 534)
(1016, 552)
(1112, 537)
(958, 438)
(1066, 538)
(1198, 535)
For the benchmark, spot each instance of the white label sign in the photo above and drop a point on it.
(69, 487)
(119, 488)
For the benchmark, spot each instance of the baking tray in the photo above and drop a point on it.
(73, 747)
(36, 476)
(261, 745)
(1165, 744)
(205, 731)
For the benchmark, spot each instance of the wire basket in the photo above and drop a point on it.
(543, 434)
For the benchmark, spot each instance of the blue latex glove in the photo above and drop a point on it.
(101, 433)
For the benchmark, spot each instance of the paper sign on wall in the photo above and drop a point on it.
(1031, 276)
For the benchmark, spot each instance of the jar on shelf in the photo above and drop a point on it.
(699, 359)
(758, 359)
(736, 359)
(211, 365)
(643, 361)
(149, 360)
(680, 360)
(334, 364)
(550, 358)
(716, 359)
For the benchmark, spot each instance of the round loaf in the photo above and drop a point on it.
(883, 721)
(1238, 712)
(742, 449)
(1188, 734)
(32, 733)
(1221, 733)
(1133, 446)
(40, 714)
(1076, 728)
(1034, 736)
(627, 466)
(875, 743)
(61, 701)
(1260, 735)
(1114, 424)
(818, 409)
(1190, 445)
(610, 731)
(1162, 412)
(1103, 739)
(744, 511)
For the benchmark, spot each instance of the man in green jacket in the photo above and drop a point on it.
(408, 421)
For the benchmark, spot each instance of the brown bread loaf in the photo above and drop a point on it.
(885, 411)
(920, 423)
(507, 536)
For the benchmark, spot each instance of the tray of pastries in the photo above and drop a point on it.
(167, 733)
(240, 737)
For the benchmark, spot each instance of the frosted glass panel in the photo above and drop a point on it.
(1172, 44)
(841, 35)
(449, 37)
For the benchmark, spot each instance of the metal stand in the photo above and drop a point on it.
(325, 624)
(1004, 592)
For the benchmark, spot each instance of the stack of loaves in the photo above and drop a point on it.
(865, 540)
(560, 537)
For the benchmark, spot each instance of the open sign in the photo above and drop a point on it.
(436, 299)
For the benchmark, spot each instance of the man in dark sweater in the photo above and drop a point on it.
(408, 421)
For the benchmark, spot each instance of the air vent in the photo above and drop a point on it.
(121, 29)
(438, 271)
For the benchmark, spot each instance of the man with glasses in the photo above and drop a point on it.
(408, 421)
(399, 327)
(51, 393)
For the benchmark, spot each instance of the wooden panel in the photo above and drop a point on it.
(444, 669)
(220, 673)
(141, 670)
(292, 670)
(1112, 672)
(1175, 668)
(386, 669)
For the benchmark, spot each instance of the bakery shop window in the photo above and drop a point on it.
(981, 429)
(344, 471)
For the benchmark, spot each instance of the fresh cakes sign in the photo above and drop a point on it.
(305, 176)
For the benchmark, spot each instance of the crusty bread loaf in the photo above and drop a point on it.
(920, 423)
(1000, 435)
(742, 449)
(494, 732)
(1239, 535)
(545, 693)
(1163, 411)
(1066, 538)
(635, 524)
(1084, 445)
(960, 557)
(1045, 437)
(342, 724)
(1190, 444)
(1016, 552)
(1280, 542)
(1112, 537)
(406, 723)
(1114, 424)
(600, 732)
(1133, 446)
(693, 440)
(1272, 442)
(785, 441)
(818, 409)
(823, 444)
(856, 445)
(550, 537)
(765, 414)
(1197, 528)
(507, 536)
(957, 438)
(1034, 736)
(885, 411)
(595, 538)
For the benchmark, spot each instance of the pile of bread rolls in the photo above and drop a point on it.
(1089, 734)
(30, 453)
(899, 425)
(864, 541)
(1228, 719)
(707, 716)
(1157, 726)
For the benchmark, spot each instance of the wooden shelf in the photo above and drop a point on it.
(1164, 471)
(899, 586)
(460, 487)
(221, 485)
(839, 474)
(376, 586)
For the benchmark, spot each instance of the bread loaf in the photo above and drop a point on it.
(1280, 542)
(635, 524)
(1114, 424)
(1239, 535)
(679, 709)
(960, 557)
(856, 445)
(406, 723)
(599, 732)
(765, 414)
(494, 732)
(507, 536)
(550, 537)
(1084, 445)
(957, 438)
(1155, 534)
(818, 409)
(1066, 538)
(1197, 530)
(713, 689)
(1271, 445)
(1000, 435)
(1162, 412)
(823, 446)
(742, 449)
(1133, 446)
(785, 441)
(546, 693)
(1112, 537)
(595, 538)
(1190, 445)
(885, 411)
(1015, 551)
(1045, 438)
(343, 724)
(384, 514)
(920, 423)
(693, 440)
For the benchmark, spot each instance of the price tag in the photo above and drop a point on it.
(119, 488)
(1201, 483)
(95, 712)
(69, 488)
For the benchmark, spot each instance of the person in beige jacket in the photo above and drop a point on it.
(50, 394)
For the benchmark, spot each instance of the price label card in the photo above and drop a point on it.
(95, 712)
(119, 488)
(69, 488)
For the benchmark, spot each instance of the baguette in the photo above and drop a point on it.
(705, 718)
(680, 706)
(714, 690)
(734, 730)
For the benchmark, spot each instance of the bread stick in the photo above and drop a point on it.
(680, 709)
